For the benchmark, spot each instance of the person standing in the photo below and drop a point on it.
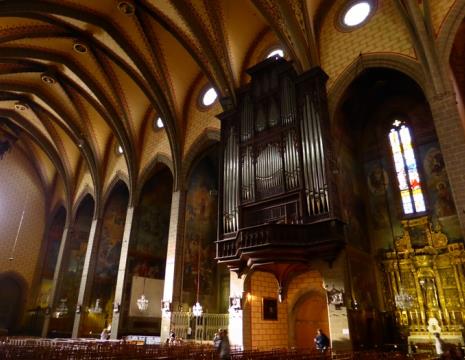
(224, 351)
(321, 341)
(105, 334)
(439, 345)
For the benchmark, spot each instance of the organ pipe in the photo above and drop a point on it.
(314, 160)
(230, 171)
(274, 149)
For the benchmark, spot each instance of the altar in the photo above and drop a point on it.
(425, 283)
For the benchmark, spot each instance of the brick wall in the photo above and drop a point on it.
(198, 118)
(115, 163)
(439, 10)
(267, 334)
(20, 185)
(384, 32)
(154, 142)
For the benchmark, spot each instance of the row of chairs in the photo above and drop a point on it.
(40, 349)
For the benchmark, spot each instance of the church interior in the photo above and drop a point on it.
(270, 167)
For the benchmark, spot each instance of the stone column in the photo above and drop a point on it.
(116, 320)
(239, 332)
(173, 269)
(87, 272)
(56, 275)
(451, 137)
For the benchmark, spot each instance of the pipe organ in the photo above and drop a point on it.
(276, 168)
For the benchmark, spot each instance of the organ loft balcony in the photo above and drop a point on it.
(281, 243)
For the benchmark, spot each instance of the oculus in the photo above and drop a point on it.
(209, 97)
(275, 53)
(355, 14)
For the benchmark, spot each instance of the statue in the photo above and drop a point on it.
(429, 292)
(433, 326)
(438, 238)
(403, 242)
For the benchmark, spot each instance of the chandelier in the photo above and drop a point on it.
(97, 309)
(403, 300)
(143, 302)
(62, 308)
(197, 309)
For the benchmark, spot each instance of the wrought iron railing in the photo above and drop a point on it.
(203, 327)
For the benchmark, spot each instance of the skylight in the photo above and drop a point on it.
(277, 52)
(209, 97)
(357, 13)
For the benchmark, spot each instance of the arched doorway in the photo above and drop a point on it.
(11, 303)
(310, 313)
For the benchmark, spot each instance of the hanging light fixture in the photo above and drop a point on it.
(13, 249)
(62, 308)
(403, 300)
(197, 309)
(143, 302)
(97, 309)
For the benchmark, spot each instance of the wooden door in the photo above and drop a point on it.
(310, 314)
(10, 302)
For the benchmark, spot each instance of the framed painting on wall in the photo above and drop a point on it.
(270, 309)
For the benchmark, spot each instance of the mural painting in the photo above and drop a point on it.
(147, 251)
(441, 203)
(106, 270)
(149, 238)
(353, 213)
(54, 234)
(381, 205)
(73, 261)
(200, 234)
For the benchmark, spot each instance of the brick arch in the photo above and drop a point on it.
(119, 177)
(208, 137)
(313, 303)
(403, 64)
(301, 288)
(86, 191)
(149, 171)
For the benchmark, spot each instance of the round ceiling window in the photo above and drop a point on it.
(355, 14)
(159, 123)
(209, 97)
(275, 53)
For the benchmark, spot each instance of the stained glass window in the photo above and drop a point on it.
(406, 169)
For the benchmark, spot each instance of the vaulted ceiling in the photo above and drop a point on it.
(80, 77)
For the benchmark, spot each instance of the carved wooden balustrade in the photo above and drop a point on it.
(271, 242)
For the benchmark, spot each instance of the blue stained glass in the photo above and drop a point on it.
(406, 169)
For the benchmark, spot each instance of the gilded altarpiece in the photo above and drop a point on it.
(425, 282)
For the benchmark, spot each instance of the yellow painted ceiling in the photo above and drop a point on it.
(89, 72)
